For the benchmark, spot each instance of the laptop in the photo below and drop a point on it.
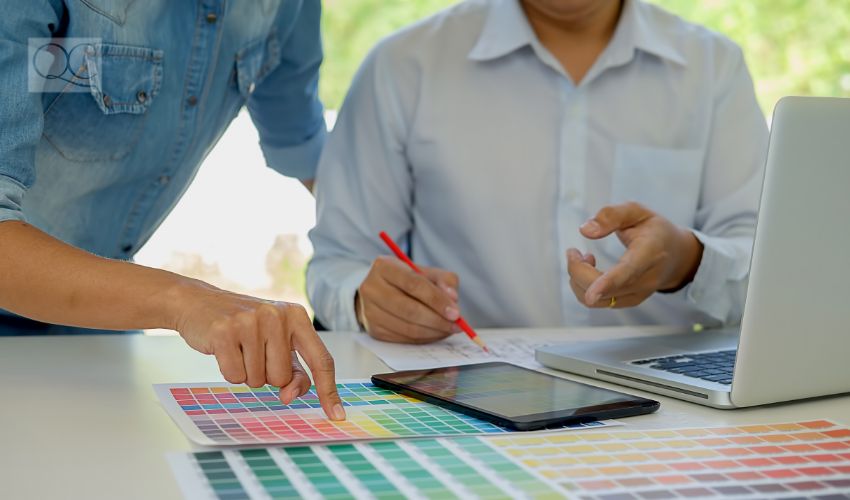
(794, 338)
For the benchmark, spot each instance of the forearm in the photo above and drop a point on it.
(47, 280)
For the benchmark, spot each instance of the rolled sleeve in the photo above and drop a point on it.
(285, 106)
(297, 161)
(11, 196)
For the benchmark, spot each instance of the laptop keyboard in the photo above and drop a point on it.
(714, 366)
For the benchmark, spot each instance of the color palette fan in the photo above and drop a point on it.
(224, 414)
(804, 459)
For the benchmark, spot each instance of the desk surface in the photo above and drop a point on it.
(79, 418)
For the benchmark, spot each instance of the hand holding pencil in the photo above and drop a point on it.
(401, 302)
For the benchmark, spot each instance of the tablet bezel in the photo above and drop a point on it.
(635, 405)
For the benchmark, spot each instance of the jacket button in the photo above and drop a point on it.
(142, 97)
(192, 100)
(127, 248)
(212, 18)
(107, 101)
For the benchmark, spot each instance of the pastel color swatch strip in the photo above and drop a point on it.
(789, 460)
(211, 415)
(424, 468)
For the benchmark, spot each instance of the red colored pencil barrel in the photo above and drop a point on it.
(460, 321)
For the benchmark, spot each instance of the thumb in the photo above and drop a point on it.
(446, 281)
(614, 218)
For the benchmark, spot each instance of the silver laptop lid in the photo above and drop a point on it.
(795, 338)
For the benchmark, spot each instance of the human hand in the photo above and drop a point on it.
(396, 304)
(255, 342)
(660, 256)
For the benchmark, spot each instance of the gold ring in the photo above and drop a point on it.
(613, 302)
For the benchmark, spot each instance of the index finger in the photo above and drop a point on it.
(423, 290)
(580, 270)
(637, 260)
(306, 341)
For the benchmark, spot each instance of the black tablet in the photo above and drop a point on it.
(514, 397)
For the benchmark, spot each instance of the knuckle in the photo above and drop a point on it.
(381, 263)
(409, 310)
(325, 362)
(634, 206)
(267, 311)
(605, 213)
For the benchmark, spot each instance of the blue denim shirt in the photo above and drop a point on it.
(101, 169)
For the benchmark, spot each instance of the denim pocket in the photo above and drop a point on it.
(255, 62)
(106, 123)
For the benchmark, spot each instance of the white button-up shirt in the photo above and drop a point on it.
(465, 140)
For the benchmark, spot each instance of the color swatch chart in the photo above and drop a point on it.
(805, 459)
(788, 460)
(421, 468)
(223, 414)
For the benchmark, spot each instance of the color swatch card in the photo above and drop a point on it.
(224, 414)
(420, 468)
(805, 459)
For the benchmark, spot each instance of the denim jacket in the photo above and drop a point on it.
(99, 162)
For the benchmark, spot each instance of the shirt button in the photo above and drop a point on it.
(212, 18)
(163, 180)
(142, 97)
(192, 100)
(107, 101)
(251, 88)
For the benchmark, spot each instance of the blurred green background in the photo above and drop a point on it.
(797, 47)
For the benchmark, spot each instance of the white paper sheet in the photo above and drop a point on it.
(514, 346)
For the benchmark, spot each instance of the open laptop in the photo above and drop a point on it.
(794, 339)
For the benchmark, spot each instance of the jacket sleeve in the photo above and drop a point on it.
(21, 115)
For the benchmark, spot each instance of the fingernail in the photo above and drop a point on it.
(452, 314)
(338, 412)
(572, 253)
(590, 227)
(452, 292)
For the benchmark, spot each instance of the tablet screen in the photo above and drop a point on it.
(507, 390)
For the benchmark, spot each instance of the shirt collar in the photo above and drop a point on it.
(506, 29)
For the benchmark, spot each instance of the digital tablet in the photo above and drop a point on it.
(514, 397)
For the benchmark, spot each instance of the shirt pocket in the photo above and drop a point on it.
(106, 123)
(254, 62)
(667, 181)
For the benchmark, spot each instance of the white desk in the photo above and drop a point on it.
(54, 445)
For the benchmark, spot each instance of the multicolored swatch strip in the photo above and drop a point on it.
(797, 459)
(421, 468)
(803, 459)
(226, 415)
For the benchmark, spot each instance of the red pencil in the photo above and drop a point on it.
(460, 321)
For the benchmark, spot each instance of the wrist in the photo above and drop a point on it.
(690, 253)
(358, 312)
(177, 299)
